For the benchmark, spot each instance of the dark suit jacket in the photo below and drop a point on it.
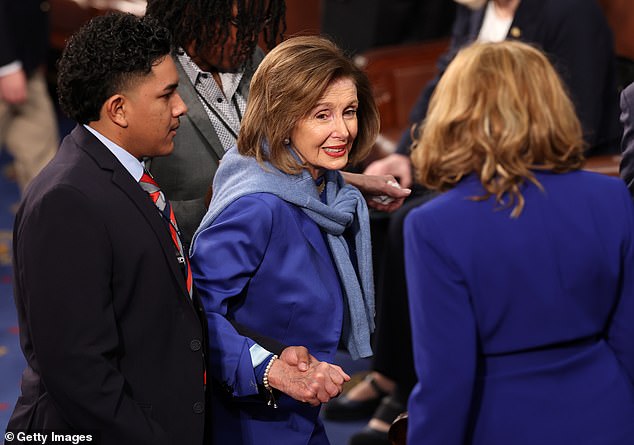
(23, 33)
(112, 340)
(186, 175)
(576, 37)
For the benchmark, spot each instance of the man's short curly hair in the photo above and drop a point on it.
(103, 57)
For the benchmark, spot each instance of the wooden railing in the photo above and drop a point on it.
(398, 74)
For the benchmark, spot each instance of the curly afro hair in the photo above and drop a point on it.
(208, 23)
(101, 59)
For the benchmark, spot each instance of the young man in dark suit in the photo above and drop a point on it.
(109, 326)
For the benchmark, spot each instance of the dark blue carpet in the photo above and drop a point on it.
(11, 359)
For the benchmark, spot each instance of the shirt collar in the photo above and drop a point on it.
(129, 162)
(189, 66)
(230, 81)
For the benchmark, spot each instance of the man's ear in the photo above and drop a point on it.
(114, 109)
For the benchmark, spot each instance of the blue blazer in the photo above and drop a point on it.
(578, 41)
(265, 265)
(523, 328)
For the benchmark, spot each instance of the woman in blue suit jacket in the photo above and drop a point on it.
(284, 249)
(521, 275)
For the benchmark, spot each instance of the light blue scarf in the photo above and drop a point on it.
(240, 175)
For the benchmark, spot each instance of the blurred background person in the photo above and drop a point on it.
(577, 40)
(285, 246)
(502, 357)
(28, 127)
(576, 37)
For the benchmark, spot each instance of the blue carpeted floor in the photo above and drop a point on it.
(11, 360)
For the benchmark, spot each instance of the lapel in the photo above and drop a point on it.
(523, 28)
(121, 178)
(256, 59)
(196, 112)
(475, 23)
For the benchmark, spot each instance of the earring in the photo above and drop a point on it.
(286, 141)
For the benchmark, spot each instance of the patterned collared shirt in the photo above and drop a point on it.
(224, 106)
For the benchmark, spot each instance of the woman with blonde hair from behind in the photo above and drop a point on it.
(521, 275)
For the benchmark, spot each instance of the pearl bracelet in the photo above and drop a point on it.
(265, 382)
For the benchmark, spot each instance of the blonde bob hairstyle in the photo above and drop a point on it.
(287, 85)
(499, 111)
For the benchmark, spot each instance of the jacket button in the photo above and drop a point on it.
(198, 407)
(195, 345)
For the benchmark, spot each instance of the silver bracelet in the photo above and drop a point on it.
(265, 382)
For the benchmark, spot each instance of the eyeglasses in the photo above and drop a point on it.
(235, 21)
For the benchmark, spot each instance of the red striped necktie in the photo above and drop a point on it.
(148, 184)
